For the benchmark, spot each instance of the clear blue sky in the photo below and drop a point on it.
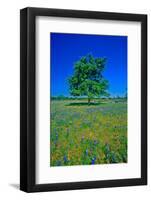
(66, 49)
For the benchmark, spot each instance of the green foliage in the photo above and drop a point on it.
(87, 79)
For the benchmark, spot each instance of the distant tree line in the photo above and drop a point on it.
(62, 97)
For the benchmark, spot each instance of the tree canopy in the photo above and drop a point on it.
(87, 79)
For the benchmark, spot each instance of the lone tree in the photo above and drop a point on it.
(87, 79)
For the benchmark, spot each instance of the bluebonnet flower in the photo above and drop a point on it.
(58, 163)
(93, 160)
(113, 158)
(55, 139)
(55, 142)
(56, 136)
(65, 159)
(95, 142)
(86, 152)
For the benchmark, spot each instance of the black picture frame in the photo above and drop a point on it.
(28, 99)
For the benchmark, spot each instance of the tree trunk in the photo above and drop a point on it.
(89, 101)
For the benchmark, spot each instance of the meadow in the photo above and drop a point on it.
(82, 134)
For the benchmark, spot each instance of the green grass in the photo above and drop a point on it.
(83, 134)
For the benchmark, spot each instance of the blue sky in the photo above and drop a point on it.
(66, 49)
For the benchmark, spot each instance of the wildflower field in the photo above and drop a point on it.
(82, 134)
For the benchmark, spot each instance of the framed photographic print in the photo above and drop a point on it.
(83, 99)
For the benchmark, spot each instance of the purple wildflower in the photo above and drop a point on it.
(58, 163)
(65, 159)
(95, 142)
(93, 160)
(56, 136)
(86, 152)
